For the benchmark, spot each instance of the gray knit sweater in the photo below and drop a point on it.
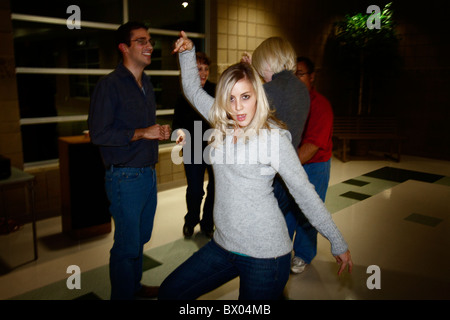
(246, 213)
(290, 99)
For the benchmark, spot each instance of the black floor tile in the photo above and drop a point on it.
(423, 219)
(355, 182)
(149, 263)
(402, 175)
(355, 195)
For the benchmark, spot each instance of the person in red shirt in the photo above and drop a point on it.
(314, 152)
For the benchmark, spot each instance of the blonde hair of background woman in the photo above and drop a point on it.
(274, 53)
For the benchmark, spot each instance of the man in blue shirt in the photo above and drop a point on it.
(122, 122)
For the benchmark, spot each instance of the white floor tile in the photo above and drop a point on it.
(413, 258)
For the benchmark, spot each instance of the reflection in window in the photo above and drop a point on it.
(58, 68)
(42, 45)
(169, 14)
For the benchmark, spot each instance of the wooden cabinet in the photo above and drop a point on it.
(85, 207)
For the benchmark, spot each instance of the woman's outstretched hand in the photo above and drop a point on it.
(344, 260)
(183, 43)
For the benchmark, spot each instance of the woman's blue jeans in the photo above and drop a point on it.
(212, 266)
(133, 195)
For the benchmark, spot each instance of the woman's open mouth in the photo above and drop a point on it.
(241, 117)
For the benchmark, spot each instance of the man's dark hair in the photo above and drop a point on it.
(309, 64)
(123, 34)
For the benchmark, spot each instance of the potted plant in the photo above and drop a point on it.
(367, 46)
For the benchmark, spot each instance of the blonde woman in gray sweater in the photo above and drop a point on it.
(251, 240)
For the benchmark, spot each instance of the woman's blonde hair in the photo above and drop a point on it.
(275, 53)
(220, 114)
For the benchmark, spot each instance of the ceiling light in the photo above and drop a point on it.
(185, 4)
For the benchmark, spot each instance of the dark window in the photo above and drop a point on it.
(49, 57)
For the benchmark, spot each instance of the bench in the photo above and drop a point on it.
(346, 129)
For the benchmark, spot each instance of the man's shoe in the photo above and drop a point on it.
(188, 231)
(147, 292)
(298, 265)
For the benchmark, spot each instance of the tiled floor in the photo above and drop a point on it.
(395, 217)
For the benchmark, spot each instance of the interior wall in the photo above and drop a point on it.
(10, 136)
(416, 92)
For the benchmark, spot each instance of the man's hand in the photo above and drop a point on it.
(155, 132)
(167, 132)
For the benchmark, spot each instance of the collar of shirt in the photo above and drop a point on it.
(124, 72)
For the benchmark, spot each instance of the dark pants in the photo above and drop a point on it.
(195, 175)
(133, 196)
(212, 266)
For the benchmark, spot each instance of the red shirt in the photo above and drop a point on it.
(319, 127)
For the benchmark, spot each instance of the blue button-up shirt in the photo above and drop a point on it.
(118, 107)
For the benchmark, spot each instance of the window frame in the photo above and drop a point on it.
(97, 72)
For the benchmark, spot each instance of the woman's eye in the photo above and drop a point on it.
(246, 97)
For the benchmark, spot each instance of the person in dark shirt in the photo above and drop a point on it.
(315, 153)
(122, 122)
(192, 125)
